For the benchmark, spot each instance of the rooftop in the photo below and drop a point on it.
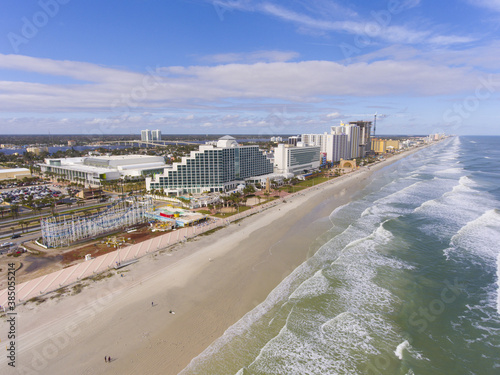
(9, 170)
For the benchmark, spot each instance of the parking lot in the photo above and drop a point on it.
(36, 196)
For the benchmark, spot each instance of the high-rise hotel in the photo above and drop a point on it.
(347, 141)
(212, 168)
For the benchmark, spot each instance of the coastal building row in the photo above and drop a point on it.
(347, 141)
(218, 167)
(225, 165)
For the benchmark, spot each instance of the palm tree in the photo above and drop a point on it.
(53, 206)
(226, 201)
(14, 209)
(249, 189)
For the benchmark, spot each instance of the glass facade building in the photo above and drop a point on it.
(212, 168)
(296, 159)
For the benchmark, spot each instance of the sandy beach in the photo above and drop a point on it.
(170, 306)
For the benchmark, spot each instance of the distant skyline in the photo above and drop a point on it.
(263, 67)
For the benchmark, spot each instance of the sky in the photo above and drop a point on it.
(249, 66)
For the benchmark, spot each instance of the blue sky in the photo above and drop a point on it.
(248, 66)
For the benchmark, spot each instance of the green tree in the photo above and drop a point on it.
(14, 210)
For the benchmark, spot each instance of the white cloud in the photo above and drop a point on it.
(324, 17)
(83, 71)
(252, 57)
(129, 93)
(481, 56)
(488, 4)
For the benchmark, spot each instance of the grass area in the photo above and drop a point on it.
(224, 215)
(312, 181)
(304, 184)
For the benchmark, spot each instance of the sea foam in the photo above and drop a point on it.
(399, 350)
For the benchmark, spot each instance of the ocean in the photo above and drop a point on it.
(406, 280)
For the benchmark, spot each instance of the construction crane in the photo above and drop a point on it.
(374, 120)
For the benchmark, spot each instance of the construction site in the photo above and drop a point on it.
(65, 230)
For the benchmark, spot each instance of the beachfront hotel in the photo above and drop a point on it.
(219, 167)
(289, 159)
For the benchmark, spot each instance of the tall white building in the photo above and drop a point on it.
(353, 139)
(334, 145)
(315, 140)
(146, 135)
(337, 147)
(296, 159)
(156, 135)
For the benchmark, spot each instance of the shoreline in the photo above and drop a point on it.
(210, 282)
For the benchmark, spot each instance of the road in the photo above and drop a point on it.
(34, 231)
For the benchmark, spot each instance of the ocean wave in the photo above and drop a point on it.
(454, 170)
(338, 346)
(474, 243)
(453, 209)
(498, 283)
(343, 307)
(407, 199)
(478, 236)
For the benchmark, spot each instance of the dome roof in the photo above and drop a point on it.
(226, 142)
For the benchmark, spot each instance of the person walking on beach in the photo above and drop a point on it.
(105, 359)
